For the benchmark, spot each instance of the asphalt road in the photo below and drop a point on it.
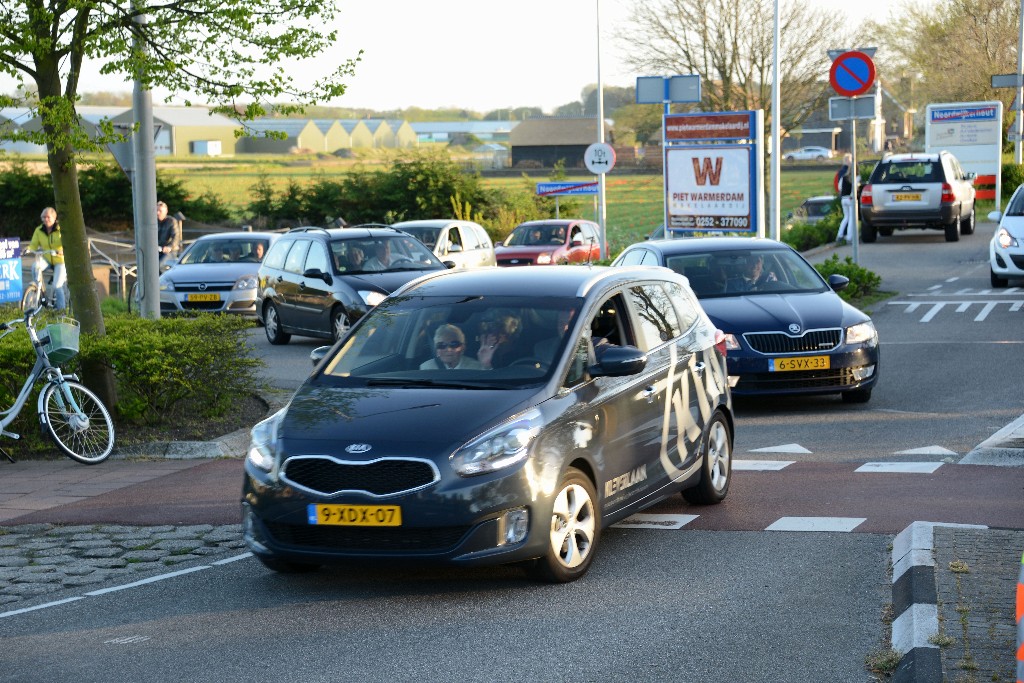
(722, 600)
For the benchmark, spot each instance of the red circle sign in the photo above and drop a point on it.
(852, 73)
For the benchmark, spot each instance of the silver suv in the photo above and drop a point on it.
(923, 191)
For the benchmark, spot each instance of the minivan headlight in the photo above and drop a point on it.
(263, 442)
(501, 447)
(861, 333)
(247, 282)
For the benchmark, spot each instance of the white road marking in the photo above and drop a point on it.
(936, 307)
(927, 450)
(961, 307)
(935, 287)
(651, 521)
(953, 279)
(761, 465)
(151, 579)
(236, 558)
(816, 524)
(785, 448)
(43, 606)
(909, 467)
(986, 309)
(126, 640)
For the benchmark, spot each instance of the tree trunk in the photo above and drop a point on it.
(84, 296)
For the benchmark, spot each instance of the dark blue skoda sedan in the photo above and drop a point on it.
(495, 416)
(787, 331)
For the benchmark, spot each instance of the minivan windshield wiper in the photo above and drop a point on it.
(412, 382)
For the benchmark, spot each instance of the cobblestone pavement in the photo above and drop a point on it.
(36, 559)
(976, 574)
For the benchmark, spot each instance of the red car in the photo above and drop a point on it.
(550, 242)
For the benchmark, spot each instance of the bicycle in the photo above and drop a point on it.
(69, 413)
(36, 290)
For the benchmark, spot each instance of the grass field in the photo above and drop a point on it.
(634, 203)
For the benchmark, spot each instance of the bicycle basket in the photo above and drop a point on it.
(63, 341)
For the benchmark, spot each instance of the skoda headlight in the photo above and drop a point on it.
(731, 342)
(247, 282)
(263, 442)
(371, 299)
(501, 447)
(544, 259)
(862, 333)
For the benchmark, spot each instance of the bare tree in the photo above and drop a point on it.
(948, 52)
(729, 45)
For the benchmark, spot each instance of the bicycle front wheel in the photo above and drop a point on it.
(31, 297)
(77, 421)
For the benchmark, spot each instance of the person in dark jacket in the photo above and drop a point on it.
(166, 233)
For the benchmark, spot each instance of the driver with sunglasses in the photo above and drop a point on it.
(449, 345)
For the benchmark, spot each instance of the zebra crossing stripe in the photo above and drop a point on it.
(907, 467)
(846, 524)
(761, 465)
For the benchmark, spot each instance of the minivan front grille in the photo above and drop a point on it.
(385, 477)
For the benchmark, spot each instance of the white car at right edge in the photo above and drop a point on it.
(1006, 250)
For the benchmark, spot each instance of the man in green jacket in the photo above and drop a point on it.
(46, 240)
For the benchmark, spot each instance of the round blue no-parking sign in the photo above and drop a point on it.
(852, 73)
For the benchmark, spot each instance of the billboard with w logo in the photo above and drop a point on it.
(711, 172)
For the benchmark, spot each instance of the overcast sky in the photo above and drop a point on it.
(470, 55)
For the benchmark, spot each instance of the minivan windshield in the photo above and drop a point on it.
(466, 341)
(380, 254)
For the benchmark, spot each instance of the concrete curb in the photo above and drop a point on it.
(1004, 448)
(233, 445)
(915, 603)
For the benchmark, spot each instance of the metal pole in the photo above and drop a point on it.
(602, 215)
(854, 198)
(145, 195)
(1018, 124)
(775, 193)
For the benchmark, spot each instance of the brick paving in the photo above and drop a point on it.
(36, 559)
(976, 580)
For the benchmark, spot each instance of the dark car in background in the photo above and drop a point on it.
(812, 210)
(550, 242)
(610, 394)
(787, 331)
(922, 191)
(316, 282)
(216, 274)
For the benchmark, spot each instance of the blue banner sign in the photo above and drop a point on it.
(10, 270)
(545, 189)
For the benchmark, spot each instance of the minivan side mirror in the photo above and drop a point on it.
(995, 216)
(619, 361)
(454, 248)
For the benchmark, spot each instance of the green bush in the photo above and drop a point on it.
(175, 367)
(863, 282)
(1012, 177)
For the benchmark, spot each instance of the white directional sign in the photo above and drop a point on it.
(599, 157)
(846, 108)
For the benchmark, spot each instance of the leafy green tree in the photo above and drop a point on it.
(221, 51)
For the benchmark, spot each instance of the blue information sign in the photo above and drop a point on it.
(10, 270)
(547, 189)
